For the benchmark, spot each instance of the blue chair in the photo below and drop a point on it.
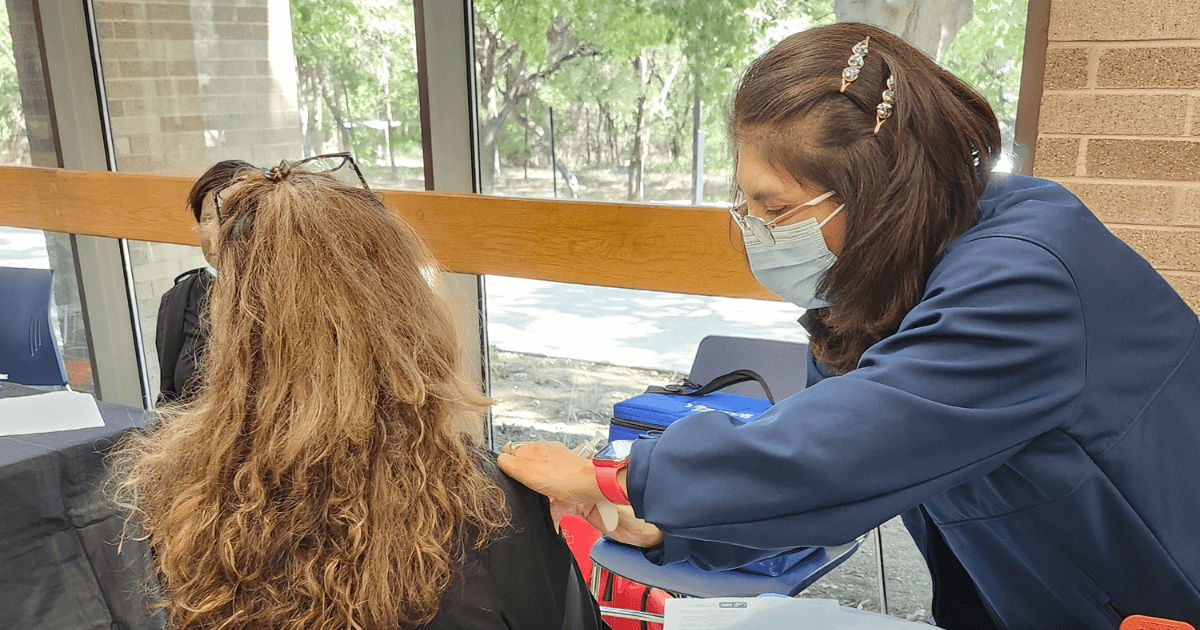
(28, 352)
(782, 364)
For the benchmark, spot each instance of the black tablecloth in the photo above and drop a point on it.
(59, 565)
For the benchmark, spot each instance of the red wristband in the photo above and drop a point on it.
(606, 479)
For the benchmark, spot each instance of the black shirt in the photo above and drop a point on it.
(527, 579)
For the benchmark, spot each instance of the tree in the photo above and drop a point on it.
(355, 62)
(13, 147)
(930, 25)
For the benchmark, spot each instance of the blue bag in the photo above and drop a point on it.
(656, 409)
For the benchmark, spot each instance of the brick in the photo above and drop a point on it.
(105, 30)
(177, 31)
(234, 31)
(134, 164)
(177, 87)
(1194, 116)
(143, 69)
(1175, 249)
(1150, 67)
(106, 11)
(176, 124)
(221, 85)
(1056, 157)
(186, 67)
(1123, 20)
(116, 108)
(1187, 286)
(224, 14)
(169, 12)
(262, 68)
(122, 145)
(1066, 68)
(111, 50)
(135, 125)
(249, 15)
(1114, 114)
(127, 30)
(1177, 160)
(1189, 211)
(127, 88)
(141, 145)
(140, 106)
(1126, 203)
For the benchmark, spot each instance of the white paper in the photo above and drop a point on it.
(45, 413)
(774, 613)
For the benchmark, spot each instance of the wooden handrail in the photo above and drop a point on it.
(681, 249)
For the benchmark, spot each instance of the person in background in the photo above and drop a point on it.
(179, 335)
(986, 360)
(327, 474)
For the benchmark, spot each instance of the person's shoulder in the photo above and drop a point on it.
(518, 497)
(1009, 190)
(191, 275)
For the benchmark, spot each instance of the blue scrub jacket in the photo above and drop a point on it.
(1041, 405)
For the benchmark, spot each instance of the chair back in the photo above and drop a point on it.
(782, 364)
(28, 353)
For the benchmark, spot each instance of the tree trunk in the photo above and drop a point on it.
(335, 108)
(387, 115)
(637, 154)
(930, 25)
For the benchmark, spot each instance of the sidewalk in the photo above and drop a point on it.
(645, 329)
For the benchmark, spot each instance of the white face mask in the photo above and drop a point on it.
(794, 265)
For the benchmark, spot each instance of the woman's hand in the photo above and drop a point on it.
(552, 469)
(630, 529)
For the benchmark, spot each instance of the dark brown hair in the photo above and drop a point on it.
(909, 190)
(216, 176)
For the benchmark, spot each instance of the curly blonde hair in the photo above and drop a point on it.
(325, 476)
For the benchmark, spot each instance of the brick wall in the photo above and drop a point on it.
(190, 83)
(1120, 124)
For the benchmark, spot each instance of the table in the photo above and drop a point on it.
(59, 566)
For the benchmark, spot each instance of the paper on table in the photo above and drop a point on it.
(774, 613)
(52, 411)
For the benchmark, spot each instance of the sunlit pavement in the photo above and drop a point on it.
(645, 329)
(625, 327)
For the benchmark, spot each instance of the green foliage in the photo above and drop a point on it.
(12, 120)
(987, 53)
(353, 60)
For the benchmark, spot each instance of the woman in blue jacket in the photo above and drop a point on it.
(986, 360)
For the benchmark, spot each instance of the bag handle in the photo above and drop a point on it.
(720, 382)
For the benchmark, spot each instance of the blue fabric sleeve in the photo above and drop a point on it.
(992, 357)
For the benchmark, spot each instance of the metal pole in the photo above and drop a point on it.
(697, 153)
(883, 605)
(553, 156)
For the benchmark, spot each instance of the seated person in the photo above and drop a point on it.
(325, 474)
(179, 336)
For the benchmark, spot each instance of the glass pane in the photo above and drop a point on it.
(26, 139)
(192, 84)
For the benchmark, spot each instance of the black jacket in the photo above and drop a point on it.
(180, 338)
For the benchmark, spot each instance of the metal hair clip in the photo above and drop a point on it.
(855, 64)
(883, 111)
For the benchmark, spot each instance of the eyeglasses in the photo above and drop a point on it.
(329, 163)
(762, 229)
